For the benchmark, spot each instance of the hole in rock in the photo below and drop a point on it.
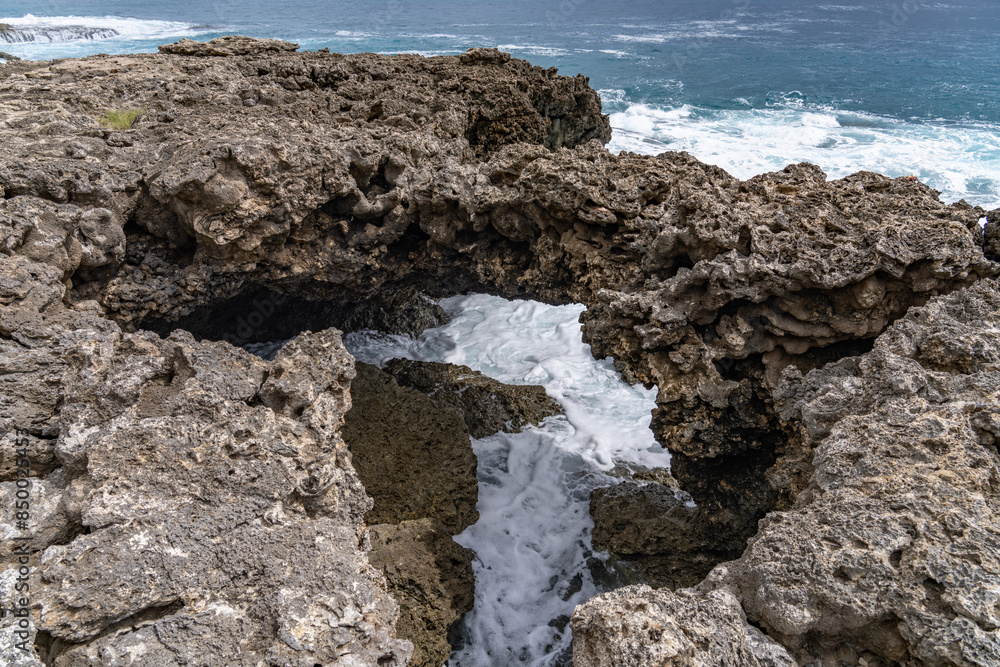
(533, 537)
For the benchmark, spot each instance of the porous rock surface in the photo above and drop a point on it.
(487, 405)
(254, 169)
(205, 510)
(891, 553)
(637, 626)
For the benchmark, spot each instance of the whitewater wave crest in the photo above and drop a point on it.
(960, 160)
(41, 34)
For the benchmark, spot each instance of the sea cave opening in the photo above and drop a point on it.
(531, 527)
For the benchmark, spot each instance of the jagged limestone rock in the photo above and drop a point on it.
(637, 626)
(345, 178)
(891, 553)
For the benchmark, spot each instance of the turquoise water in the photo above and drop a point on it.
(897, 86)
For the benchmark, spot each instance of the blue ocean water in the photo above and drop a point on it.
(896, 86)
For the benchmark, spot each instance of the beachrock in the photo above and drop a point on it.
(413, 455)
(230, 45)
(430, 576)
(487, 405)
(900, 523)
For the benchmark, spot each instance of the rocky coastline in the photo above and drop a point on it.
(826, 356)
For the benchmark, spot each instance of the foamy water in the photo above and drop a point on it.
(41, 37)
(962, 160)
(532, 540)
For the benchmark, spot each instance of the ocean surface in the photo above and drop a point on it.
(902, 87)
(896, 86)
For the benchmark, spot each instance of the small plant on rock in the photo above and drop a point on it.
(120, 120)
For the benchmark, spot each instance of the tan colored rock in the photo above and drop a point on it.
(638, 627)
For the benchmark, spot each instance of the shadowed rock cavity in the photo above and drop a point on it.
(346, 179)
(261, 315)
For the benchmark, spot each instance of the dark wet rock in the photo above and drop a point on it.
(991, 235)
(487, 405)
(413, 455)
(398, 313)
(415, 459)
(652, 528)
(261, 315)
(430, 576)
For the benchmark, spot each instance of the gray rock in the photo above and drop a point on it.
(890, 555)
(347, 178)
(637, 627)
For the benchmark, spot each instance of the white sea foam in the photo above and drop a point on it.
(352, 34)
(533, 50)
(532, 540)
(47, 28)
(66, 36)
(960, 160)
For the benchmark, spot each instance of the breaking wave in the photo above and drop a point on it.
(958, 158)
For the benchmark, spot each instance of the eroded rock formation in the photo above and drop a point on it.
(205, 509)
(891, 553)
(255, 174)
